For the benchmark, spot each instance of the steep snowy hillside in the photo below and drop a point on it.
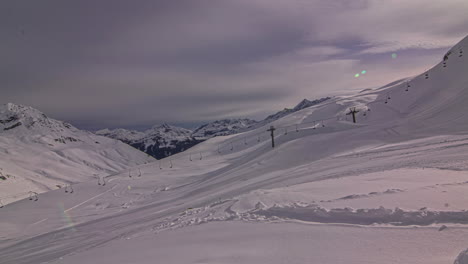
(121, 134)
(302, 105)
(390, 188)
(159, 141)
(162, 141)
(307, 103)
(233, 126)
(223, 127)
(39, 154)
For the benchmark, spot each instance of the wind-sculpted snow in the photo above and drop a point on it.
(357, 196)
(316, 214)
(397, 216)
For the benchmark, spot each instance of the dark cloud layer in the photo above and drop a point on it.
(120, 63)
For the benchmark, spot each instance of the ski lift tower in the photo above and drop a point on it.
(353, 111)
(272, 130)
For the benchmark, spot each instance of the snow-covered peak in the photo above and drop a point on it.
(11, 109)
(162, 126)
(223, 127)
(121, 134)
(24, 119)
(40, 153)
(307, 103)
(165, 130)
(233, 126)
(14, 109)
(162, 131)
(302, 104)
(159, 141)
(286, 111)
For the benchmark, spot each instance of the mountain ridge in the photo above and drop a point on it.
(163, 140)
(38, 153)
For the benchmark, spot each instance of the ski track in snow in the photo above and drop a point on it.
(90, 199)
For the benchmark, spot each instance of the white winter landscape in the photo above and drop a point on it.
(388, 189)
(374, 176)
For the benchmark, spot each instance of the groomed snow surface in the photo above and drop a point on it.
(389, 189)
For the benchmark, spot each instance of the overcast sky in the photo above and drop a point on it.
(133, 64)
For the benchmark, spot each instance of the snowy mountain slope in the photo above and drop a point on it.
(234, 126)
(121, 134)
(165, 140)
(388, 189)
(39, 154)
(301, 105)
(223, 127)
(307, 103)
(160, 141)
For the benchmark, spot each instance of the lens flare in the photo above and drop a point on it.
(66, 217)
(364, 72)
(394, 56)
(357, 75)
(129, 187)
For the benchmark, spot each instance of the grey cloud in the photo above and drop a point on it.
(135, 63)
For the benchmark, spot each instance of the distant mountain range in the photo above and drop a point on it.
(159, 141)
(164, 140)
(223, 127)
(38, 153)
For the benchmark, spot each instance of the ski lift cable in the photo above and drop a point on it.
(296, 126)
